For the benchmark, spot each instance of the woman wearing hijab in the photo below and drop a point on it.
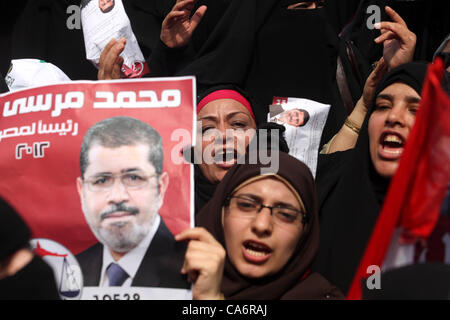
(399, 44)
(267, 222)
(22, 274)
(427, 19)
(352, 184)
(220, 109)
(42, 32)
(226, 124)
(444, 52)
(277, 48)
(3, 87)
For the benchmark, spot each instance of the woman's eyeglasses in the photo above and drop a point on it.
(249, 208)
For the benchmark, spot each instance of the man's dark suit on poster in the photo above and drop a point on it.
(161, 266)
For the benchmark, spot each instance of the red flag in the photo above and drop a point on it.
(414, 199)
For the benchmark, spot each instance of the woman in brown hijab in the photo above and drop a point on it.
(266, 218)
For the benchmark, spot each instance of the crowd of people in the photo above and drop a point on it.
(285, 233)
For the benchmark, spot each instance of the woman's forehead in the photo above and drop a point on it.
(399, 89)
(222, 106)
(269, 188)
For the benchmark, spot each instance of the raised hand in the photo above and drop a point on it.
(178, 27)
(398, 41)
(372, 81)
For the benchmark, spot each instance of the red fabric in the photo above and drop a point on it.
(225, 94)
(417, 190)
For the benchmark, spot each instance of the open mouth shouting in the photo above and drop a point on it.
(391, 145)
(225, 158)
(256, 252)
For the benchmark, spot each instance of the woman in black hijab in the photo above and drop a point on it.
(42, 32)
(3, 86)
(268, 223)
(22, 275)
(352, 184)
(427, 19)
(275, 48)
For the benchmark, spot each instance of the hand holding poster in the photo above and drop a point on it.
(104, 20)
(94, 172)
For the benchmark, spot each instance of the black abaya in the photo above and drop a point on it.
(427, 19)
(267, 50)
(41, 32)
(35, 281)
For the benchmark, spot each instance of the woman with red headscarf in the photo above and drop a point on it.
(226, 124)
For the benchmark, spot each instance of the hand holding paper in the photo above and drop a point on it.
(110, 61)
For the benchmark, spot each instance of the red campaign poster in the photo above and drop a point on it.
(136, 190)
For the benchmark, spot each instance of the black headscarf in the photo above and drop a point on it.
(424, 281)
(12, 11)
(445, 56)
(340, 13)
(41, 32)
(3, 87)
(351, 194)
(204, 189)
(14, 233)
(294, 56)
(427, 19)
(146, 18)
(35, 281)
(291, 282)
(269, 51)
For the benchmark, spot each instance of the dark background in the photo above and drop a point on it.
(37, 29)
